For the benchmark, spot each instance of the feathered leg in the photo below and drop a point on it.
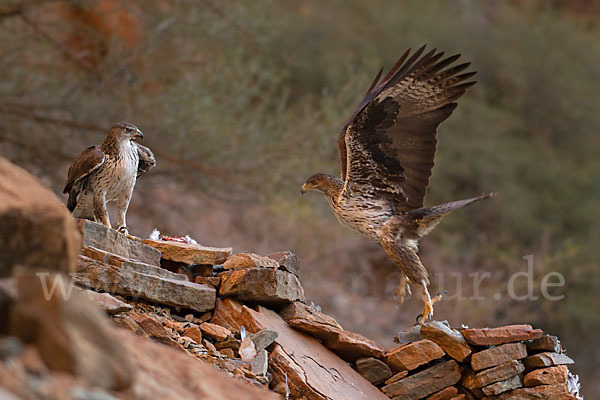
(100, 212)
(122, 207)
(404, 254)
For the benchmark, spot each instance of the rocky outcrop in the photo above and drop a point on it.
(36, 230)
(177, 320)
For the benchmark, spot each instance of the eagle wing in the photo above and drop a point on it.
(87, 162)
(388, 147)
(147, 159)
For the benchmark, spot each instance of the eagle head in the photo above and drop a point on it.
(324, 183)
(123, 131)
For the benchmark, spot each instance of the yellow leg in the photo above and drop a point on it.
(429, 302)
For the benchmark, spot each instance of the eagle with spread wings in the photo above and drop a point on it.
(108, 172)
(387, 152)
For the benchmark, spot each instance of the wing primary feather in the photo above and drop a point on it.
(375, 81)
(396, 66)
(440, 65)
(442, 76)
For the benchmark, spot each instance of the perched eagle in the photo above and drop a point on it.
(387, 151)
(108, 173)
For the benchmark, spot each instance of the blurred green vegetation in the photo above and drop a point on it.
(244, 100)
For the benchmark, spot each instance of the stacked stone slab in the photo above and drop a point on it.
(246, 314)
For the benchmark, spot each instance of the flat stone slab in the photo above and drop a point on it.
(424, 383)
(110, 240)
(261, 285)
(498, 355)
(396, 377)
(110, 304)
(547, 359)
(216, 332)
(492, 375)
(503, 386)
(129, 282)
(121, 262)
(413, 355)
(544, 392)
(351, 346)
(249, 260)
(501, 335)
(311, 321)
(546, 376)
(373, 370)
(444, 394)
(189, 253)
(311, 370)
(450, 340)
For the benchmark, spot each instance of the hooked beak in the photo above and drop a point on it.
(304, 189)
(138, 135)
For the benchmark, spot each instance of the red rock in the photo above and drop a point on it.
(459, 397)
(350, 346)
(424, 383)
(544, 392)
(128, 323)
(396, 377)
(373, 370)
(501, 335)
(312, 370)
(188, 253)
(217, 332)
(151, 327)
(166, 374)
(225, 313)
(213, 281)
(486, 377)
(249, 260)
(103, 256)
(71, 334)
(547, 360)
(444, 394)
(193, 333)
(498, 355)
(546, 376)
(230, 342)
(450, 340)
(247, 349)
(311, 321)
(261, 285)
(36, 230)
(227, 352)
(413, 355)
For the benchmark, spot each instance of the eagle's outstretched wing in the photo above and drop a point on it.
(147, 160)
(388, 146)
(87, 162)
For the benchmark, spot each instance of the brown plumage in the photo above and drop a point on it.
(108, 173)
(387, 152)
